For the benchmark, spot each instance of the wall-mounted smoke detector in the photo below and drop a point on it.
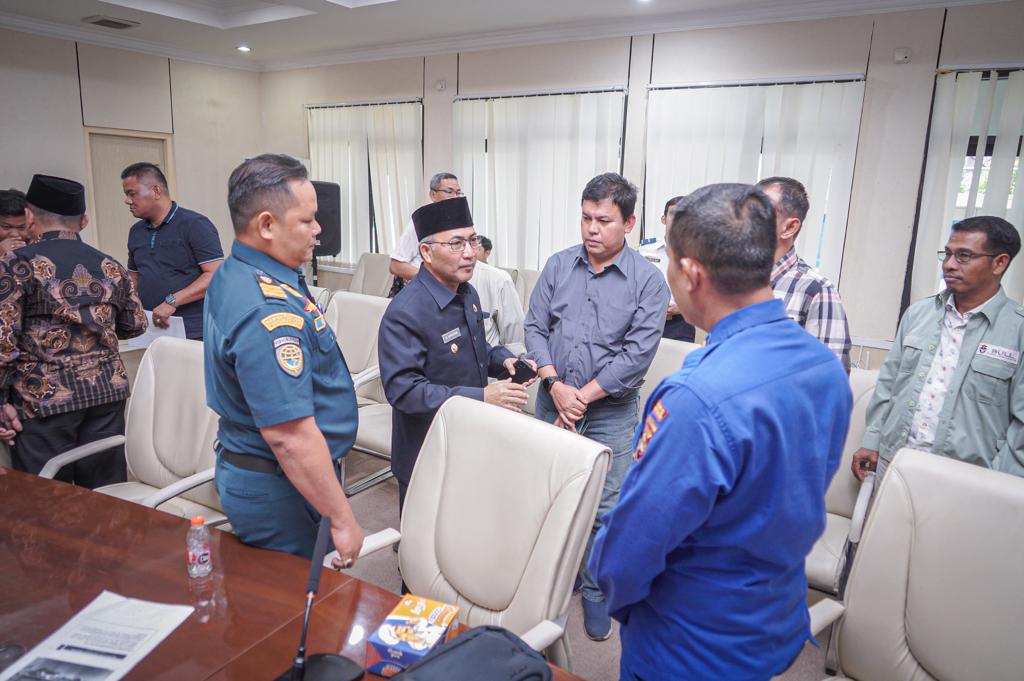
(110, 22)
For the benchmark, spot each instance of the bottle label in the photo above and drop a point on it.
(190, 558)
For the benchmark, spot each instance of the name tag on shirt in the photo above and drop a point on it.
(451, 335)
(1011, 357)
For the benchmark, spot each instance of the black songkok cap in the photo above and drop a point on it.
(56, 195)
(442, 216)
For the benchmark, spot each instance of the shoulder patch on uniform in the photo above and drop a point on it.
(659, 411)
(279, 319)
(292, 291)
(269, 288)
(289, 355)
(650, 428)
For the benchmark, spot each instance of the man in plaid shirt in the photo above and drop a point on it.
(811, 299)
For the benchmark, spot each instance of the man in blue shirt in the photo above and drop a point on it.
(595, 321)
(172, 251)
(702, 559)
(275, 373)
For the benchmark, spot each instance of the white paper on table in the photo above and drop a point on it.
(102, 642)
(175, 329)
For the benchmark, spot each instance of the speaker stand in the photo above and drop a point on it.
(316, 277)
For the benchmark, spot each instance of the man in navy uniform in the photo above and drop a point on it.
(432, 344)
(274, 372)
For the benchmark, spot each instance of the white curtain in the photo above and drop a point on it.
(523, 162)
(968, 105)
(360, 148)
(806, 131)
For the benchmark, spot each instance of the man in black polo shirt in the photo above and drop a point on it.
(172, 251)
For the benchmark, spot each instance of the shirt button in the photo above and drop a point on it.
(903, 434)
(911, 403)
(931, 347)
(921, 375)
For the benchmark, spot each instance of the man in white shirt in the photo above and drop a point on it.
(503, 323)
(405, 257)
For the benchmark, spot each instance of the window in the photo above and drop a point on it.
(964, 177)
(808, 131)
(523, 162)
(375, 154)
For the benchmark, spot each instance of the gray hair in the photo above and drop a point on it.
(438, 178)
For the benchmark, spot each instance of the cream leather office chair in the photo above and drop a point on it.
(935, 592)
(373, 275)
(355, 318)
(525, 281)
(846, 500)
(667, 360)
(169, 435)
(499, 530)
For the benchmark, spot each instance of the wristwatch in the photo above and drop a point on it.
(171, 300)
(550, 381)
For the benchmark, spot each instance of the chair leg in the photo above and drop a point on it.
(368, 481)
(832, 652)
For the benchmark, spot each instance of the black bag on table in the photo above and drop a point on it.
(485, 653)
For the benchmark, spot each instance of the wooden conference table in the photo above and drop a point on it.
(60, 546)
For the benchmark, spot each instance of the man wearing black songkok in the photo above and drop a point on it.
(63, 307)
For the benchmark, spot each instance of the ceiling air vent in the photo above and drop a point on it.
(110, 22)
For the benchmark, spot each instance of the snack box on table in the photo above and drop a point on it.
(415, 626)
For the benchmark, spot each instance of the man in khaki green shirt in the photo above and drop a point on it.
(952, 382)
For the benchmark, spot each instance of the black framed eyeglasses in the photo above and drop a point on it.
(458, 244)
(964, 257)
(449, 192)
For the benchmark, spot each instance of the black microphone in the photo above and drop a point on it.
(323, 666)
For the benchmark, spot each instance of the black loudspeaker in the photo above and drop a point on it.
(328, 214)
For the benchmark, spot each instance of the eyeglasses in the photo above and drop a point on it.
(964, 257)
(449, 192)
(458, 244)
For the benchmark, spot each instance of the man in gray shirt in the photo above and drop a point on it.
(596, 317)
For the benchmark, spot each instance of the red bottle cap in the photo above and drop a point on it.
(198, 520)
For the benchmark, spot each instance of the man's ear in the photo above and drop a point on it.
(426, 253)
(1000, 263)
(693, 272)
(84, 222)
(264, 224)
(630, 223)
(790, 228)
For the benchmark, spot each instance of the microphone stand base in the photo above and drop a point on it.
(326, 667)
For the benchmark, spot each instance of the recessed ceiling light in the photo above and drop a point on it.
(244, 48)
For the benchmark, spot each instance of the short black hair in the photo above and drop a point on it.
(47, 218)
(793, 201)
(1000, 235)
(261, 183)
(144, 170)
(485, 243)
(615, 187)
(12, 203)
(730, 230)
(671, 202)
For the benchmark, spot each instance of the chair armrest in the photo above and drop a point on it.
(824, 613)
(366, 377)
(860, 508)
(178, 488)
(543, 635)
(375, 542)
(78, 453)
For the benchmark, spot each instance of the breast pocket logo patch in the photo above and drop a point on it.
(289, 355)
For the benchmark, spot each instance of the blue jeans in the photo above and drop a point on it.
(266, 510)
(612, 423)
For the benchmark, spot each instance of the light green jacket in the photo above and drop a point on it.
(982, 419)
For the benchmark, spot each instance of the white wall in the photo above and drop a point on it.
(124, 90)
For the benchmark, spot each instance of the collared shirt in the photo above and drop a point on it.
(933, 395)
(271, 357)
(981, 420)
(408, 247)
(431, 346)
(169, 257)
(503, 320)
(813, 303)
(603, 325)
(702, 559)
(63, 306)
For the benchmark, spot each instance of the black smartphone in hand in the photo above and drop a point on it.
(524, 372)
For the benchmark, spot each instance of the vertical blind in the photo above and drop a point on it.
(808, 131)
(375, 154)
(523, 163)
(972, 167)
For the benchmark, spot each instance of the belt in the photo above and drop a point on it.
(250, 462)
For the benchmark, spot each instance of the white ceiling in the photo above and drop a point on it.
(293, 33)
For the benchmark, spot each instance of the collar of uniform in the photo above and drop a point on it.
(990, 308)
(785, 263)
(622, 261)
(170, 216)
(752, 315)
(263, 262)
(59, 234)
(441, 294)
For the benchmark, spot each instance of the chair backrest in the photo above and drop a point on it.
(169, 429)
(321, 295)
(513, 272)
(498, 512)
(842, 491)
(935, 591)
(667, 360)
(525, 281)
(355, 318)
(373, 275)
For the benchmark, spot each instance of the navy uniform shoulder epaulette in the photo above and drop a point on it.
(269, 288)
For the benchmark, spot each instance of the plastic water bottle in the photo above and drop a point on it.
(197, 548)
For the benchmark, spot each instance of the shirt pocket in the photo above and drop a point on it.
(175, 255)
(988, 381)
(910, 357)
